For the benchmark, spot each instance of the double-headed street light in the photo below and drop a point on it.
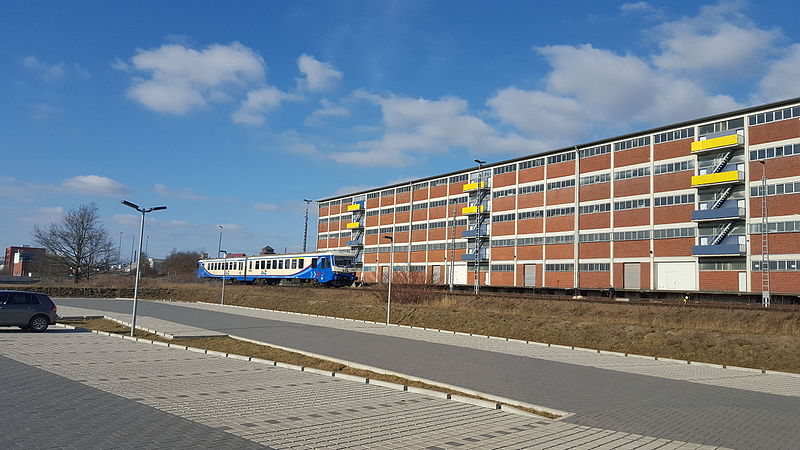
(138, 259)
(391, 275)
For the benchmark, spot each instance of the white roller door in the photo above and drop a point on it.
(632, 275)
(676, 276)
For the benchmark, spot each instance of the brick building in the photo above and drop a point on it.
(672, 208)
(21, 261)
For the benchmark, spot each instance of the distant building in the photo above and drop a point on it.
(21, 261)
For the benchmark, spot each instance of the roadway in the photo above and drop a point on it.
(610, 399)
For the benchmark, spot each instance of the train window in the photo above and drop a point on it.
(294, 264)
(280, 264)
(300, 263)
(241, 265)
(313, 263)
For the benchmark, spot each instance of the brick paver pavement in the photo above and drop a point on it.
(93, 391)
(668, 399)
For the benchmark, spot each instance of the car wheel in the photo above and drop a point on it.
(38, 323)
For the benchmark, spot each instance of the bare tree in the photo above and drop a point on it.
(79, 239)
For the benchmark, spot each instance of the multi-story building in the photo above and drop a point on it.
(21, 260)
(679, 207)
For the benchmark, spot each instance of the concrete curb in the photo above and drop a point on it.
(592, 350)
(494, 404)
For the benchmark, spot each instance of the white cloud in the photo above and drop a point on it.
(317, 75)
(94, 185)
(328, 110)
(352, 189)
(720, 42)
(179, 79)
(47, 72)
(258, 103)
(782, 79)
(185, 193)
(126, 220)
(266, 207)
(636, 7)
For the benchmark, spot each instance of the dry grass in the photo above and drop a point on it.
(229, 345)
(764, 339)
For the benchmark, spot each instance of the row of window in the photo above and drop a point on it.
(504, 193)
(771, 116)
(776, 189)
(594, 267)
(595, 151)
(724, 125)
(679, 166)
(631, 143)
(779, 266)
(632, 204)
(632, 173)
(262, 264)
(562, 184)
(775, 152)
(558, 212)
(670, 200)
(777, 227)
(722, 265)
(673, 135)
(594, 179)
(505, 169)
(596, 208)
(561, 157)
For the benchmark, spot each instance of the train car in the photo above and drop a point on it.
(327, 268)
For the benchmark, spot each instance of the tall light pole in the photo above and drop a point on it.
(146, 243)
(119, 251)
(477, 238)
(765, 287)
(224, 274)
(138, 259)
(219, 249)
(305, 232)
(391, 276)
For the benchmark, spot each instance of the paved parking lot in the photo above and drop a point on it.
(102, 392)
(672, 400)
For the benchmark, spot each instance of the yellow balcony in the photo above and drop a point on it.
(714, 178)
(354, 207)
(354, 225)
(723, 141)
(473, 209)
(473, 186)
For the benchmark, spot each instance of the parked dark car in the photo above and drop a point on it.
(27, 310)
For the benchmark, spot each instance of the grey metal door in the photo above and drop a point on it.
(437, 274)
(632, 275)
(530, 275)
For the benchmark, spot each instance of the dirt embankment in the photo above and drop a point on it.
(764, 339)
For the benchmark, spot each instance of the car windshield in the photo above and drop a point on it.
(342, 261)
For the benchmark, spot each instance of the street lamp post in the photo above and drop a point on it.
(138, 259)
(305, 230)
(224, 275)
(219, 248)
(391, 276)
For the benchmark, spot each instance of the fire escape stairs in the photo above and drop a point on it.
(723, 233)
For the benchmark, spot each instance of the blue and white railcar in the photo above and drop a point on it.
(328, 268)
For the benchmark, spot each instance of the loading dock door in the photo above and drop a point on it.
(530, 275)
(460, 273)
(676, 276)
(632, 276)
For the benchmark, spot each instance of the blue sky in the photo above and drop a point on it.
(232, 112)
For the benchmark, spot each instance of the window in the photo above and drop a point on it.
(680, 166)
(371, 231)
(682, 199)
(385, 211)
(370, 268)
(563, 239)
(777, 227)
(417, 206)
(387, 192)
(280, 264)
(403, 189)
(439, 182)
(632, 204)
(505, 169)
(434, 225)
(595, 237)
(555, 159)
(525, 215)
(400, 228)
(559, 267)
(531, 189)
(21, 298)
(778, 266)
(416, 268)
(438, 203)
(439, 246)
(594, 179)
(323, 221)
(372, 195)
(717, 127)
(503, 242)
(673, 135)
(502, 267)
(530, 241)
(631, 235)
(420, 186)
(712, 264)
(631, 143)
(404, 208)
(504, 193)
(504, 218)
(594, 267)
(386, 229)
(671, 233)
(532, 163)
(459, 178)
(418, 247)
(594, 209)
(776, 189)
(457, 200)
(294, 264)
(562, 184)
(556, 212)
(632, 173)
(767, 117)
(372, 213)
(594, 151)
(419, 226)
(775, 152)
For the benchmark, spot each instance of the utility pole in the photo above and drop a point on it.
(305, 232)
